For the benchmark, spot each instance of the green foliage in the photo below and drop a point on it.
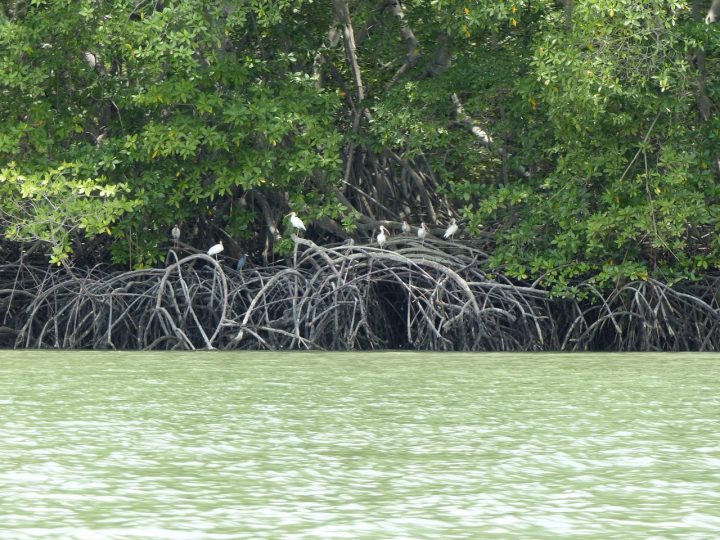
(57, 203)
(623, 182)
(120, 119)
(162, 103)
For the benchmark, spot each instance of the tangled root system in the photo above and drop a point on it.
(411, 295)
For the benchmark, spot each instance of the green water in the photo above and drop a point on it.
(386, 446)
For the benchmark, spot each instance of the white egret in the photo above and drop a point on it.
(382, 236)
(405, 227)
(422, 232)
(175, 235)
(296, 222)
(452, 229)
(217, 248)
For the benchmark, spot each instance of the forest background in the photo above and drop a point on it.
(575, 141)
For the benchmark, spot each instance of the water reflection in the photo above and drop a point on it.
(358, 446)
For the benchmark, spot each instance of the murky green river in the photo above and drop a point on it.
(386, 446)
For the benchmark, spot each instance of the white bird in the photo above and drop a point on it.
(422, 232)
(296, 222)
(382, 237)
(217, 248)
(176, 235)
(405, 227)
(452, 229)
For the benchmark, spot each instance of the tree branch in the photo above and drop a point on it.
(411, 42)
(485, 139)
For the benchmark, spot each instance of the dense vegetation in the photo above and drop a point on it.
(577, 141)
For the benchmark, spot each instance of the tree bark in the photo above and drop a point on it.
(411, 42)
(342, 13)
(704, 103)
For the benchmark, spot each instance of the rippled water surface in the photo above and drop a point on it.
(385, 445)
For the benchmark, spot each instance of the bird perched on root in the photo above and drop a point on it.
(422, 232)
(296, 222)
(217, 248)
(382, 236)
(452, 229)
(175, 235)
(405, 227)
(240, 263)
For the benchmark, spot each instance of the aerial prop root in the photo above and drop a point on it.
(346, 297)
